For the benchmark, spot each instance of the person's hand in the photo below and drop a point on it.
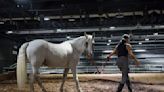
(137, 63)
(108, 58)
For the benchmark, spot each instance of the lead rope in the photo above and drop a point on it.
(91, 59)
(98, 71)
(103, 66)
(93, 63)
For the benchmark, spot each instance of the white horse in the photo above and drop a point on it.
(40, 52)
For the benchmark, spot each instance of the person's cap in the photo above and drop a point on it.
(126, 36)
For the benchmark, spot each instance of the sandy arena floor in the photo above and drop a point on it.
(89, 86)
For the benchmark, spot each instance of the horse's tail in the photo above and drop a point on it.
(21, 67)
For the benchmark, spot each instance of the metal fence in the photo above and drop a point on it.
(107, 69)
(144, 68)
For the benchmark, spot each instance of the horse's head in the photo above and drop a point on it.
(89, 45)
(84, 43)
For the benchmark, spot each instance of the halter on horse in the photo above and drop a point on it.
(65, 55)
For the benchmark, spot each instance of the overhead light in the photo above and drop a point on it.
(1, 22)
(9, 32)
(17, 5)
(147, 39)
(112, 27)
(14, 52)
(46, 18)
(107, 51)
(109, 40)
(68, 37)
(140, 50)
(108, 44)
(15, 47)
(71, 19)
(140, 43)
(155, 34)
(59, 30)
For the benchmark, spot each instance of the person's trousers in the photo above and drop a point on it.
(123, 65)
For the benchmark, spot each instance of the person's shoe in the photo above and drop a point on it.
(129, 86)
(119, 89)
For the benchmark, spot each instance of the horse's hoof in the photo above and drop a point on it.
(80, 90)
(61, 89)
(44, 90)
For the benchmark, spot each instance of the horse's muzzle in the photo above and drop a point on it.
(90, 58)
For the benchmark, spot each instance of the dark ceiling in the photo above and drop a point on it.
(30, 14)
(22, 8)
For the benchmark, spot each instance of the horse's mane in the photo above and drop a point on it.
(77, 43)
(75, 40)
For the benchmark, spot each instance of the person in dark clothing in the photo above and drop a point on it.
(123, 50)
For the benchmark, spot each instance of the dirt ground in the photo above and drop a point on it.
(141, 82)
(53, 85)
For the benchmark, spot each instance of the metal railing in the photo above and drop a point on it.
(107, 69)
(144, 68)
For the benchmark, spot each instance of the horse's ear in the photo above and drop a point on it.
(85, 34)
(93, 35)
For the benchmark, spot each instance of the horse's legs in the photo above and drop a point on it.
(32, 78)
(31, 82)
(73, 69)
(64, 78)
(40, 83)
